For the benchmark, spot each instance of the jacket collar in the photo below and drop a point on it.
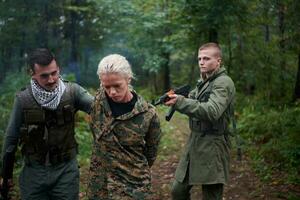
(140, 106)
(201, 81)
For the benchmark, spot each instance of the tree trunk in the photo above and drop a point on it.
(297, 85)
(248, 86)
(230, 53)
(268, 80)
(281, 26)
(213, 35)
(23, 49)
(22, 62)
(194, 72)
(267, 33)
(166, 72)
(23, 45)
(6, 62)
(42, 36)
(2, 66)
(87, 55)
(166, 52)
(73, 64)
(73, 37)
(153, 84)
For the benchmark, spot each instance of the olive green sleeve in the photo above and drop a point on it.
(221, 96)
(83, 99)
(12, 133)
(152, 140)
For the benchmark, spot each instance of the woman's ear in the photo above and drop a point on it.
(129, 80)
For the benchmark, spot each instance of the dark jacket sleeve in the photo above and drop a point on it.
(83, 99)
(12, 133)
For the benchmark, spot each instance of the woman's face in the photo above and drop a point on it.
(116, 87)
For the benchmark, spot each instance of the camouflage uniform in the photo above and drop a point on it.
(124, 149)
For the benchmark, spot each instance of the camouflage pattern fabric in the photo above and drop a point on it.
(123, 151)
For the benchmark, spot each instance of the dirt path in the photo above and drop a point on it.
(243, 185)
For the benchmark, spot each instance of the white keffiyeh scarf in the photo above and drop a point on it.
(48, 99)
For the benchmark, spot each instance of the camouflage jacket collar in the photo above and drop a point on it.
(140, 106)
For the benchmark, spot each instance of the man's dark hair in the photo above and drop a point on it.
(40, 56)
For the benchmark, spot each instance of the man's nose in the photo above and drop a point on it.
(51, 79)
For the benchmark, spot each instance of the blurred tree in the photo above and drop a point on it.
(161, 39)
(292, 40)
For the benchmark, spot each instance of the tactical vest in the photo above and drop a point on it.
(206, 127)
(47, 136)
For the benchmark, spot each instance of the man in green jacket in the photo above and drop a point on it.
(209, 106)
(42, 122)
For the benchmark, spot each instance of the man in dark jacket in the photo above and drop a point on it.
(206, 157)
(42, 122)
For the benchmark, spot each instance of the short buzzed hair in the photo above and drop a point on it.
(115, 63)
(40, 56)
(212, 45)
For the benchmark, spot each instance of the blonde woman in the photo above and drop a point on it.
(126, 134)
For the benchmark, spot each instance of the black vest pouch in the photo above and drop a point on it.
(60, 118)
(57, 156)
(34, 116)
(33, 127)
(68, 113)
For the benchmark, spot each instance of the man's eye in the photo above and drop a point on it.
(44, 76)
(54, 73)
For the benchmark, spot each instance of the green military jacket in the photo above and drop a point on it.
(123, 151)
(206, 155)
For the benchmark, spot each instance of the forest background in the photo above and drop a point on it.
(160, 38)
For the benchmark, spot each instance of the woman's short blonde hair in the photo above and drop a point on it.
(115, 63)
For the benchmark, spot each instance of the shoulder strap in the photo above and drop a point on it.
(26, 98)
(211, 81)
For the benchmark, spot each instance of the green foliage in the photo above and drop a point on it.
(273, 139)
(167, 144)
(70, 77)
(83, 138)
(12, 83)
(160, 38)
(146, 94)
(174, 133)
